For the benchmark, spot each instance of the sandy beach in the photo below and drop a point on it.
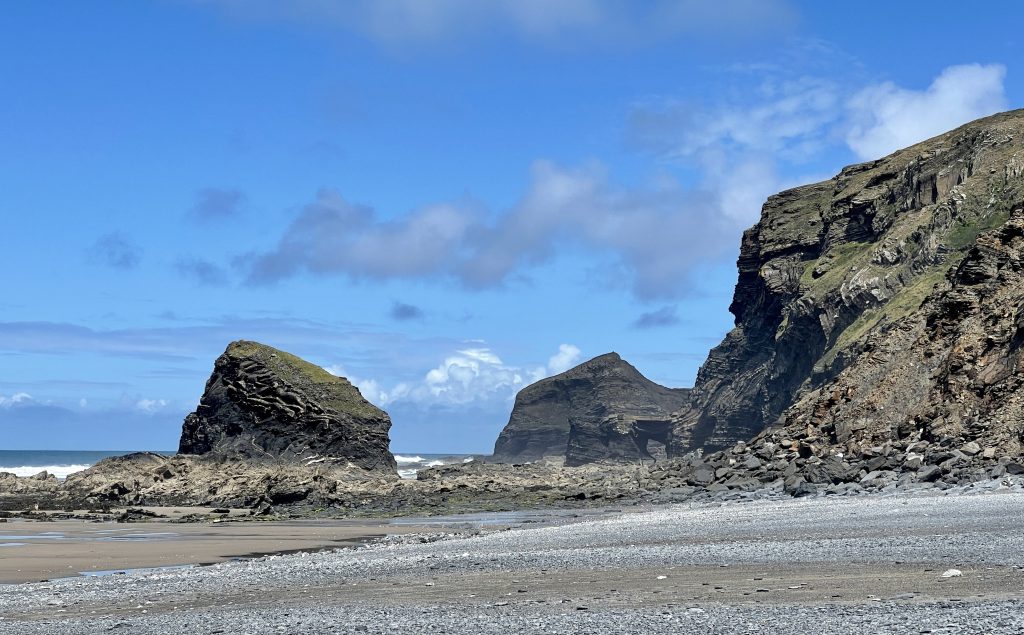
(32, 551)
(950, 564)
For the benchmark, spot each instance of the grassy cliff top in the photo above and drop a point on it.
(330, 390)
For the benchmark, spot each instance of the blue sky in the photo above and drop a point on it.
(443, 201)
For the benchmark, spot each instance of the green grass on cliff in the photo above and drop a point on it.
(964, 234)
(909, 299)
(342, 395)
(978, 211)
(901, 305)
(839, 259)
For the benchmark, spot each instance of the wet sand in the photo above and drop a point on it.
(866, 564)
(33, 551)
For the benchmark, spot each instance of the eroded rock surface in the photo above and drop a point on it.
(878, 347)
(262, 403)
(603, 409)
(152, 479)
(878, 307)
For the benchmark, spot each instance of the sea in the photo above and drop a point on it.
(60, 463)
(409, 464)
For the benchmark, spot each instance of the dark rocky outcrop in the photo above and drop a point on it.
(879, 345)
(270, 429)
(877, 310)
(262, 403)
(602, 409)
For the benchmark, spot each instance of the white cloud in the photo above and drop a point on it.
(150, 406)
(743, 147)
(331, 235)
(337, 370)
(370, 389)
(15, 399)
(472, 374)
(777, 116)
(564, 359)
(657, 232)
(738, 147)
(466, 376)
(886, 117)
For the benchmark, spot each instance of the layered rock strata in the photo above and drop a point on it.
(262, 403)
(880, 306)
(603, 409)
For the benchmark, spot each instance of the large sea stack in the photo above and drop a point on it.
(262, 403)
(603, 409)
(880, 318)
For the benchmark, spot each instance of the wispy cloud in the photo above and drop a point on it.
(201, 271)
(743, 146)
(123, 428)
(214, 203)
(332, 235)
(400, 24)
(665, 316)
(405, 312)
(62, 385)
(658, 232)
(186, 341)
(150, 406)
(115, 250)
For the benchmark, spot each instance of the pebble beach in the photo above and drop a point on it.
(919, 563)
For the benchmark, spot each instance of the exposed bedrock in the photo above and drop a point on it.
(262, 403)
(603, 409)
(880, 306)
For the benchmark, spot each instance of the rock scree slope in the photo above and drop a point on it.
(262, 403)
(603, 409)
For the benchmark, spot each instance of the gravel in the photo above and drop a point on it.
(872, 564)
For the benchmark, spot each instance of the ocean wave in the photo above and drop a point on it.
(409, 465)
(60, 471)
(408, 460)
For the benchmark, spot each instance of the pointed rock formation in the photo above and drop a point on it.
(602, 409)
(262, 403)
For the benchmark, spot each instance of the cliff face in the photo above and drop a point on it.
(601, 409)
(264, 403)
(881, 305)
(942, 378)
